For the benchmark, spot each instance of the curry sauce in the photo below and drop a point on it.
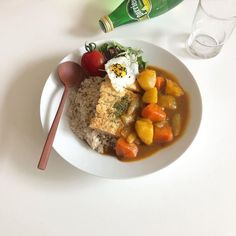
(182, 108)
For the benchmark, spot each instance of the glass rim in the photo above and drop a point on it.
(230, 18)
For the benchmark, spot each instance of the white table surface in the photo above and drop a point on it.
(196, 195)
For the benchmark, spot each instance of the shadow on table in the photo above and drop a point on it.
(87, 23)
(177, 44)
(22, 138)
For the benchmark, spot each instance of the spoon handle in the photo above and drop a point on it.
(51, 135)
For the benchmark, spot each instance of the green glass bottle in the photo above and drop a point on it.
(135, 10)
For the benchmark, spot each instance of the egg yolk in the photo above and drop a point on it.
(119, 70)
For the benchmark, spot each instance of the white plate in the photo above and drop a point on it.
(73, 150)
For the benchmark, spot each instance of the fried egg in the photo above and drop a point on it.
(122, 72)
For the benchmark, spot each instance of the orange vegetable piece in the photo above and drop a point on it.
(154, 113)
(160, 82)
(125, 149)
(163, 134)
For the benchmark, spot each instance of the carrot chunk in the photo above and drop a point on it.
(160, 83)
(163, 134)
(154, 113)
(125, 149)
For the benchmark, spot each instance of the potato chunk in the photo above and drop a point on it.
(167, 101)
(147, 79)
(150, 96)
(131, 137)
(144, 129)
(172, 88)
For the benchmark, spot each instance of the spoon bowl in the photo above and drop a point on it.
(71, 74)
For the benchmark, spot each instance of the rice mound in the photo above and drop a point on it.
(82, 108)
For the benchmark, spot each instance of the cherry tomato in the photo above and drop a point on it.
(93, 61)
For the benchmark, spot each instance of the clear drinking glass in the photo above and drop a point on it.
(213, 24)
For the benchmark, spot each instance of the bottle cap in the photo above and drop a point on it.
(106, 24)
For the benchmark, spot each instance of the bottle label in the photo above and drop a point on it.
(139, 9)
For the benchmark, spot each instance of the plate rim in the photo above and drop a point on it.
(128, 40)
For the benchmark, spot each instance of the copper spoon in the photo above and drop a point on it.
(70, 74)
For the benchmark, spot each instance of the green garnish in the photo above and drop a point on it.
(113, 49)
(121, 106)
(141, 63)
